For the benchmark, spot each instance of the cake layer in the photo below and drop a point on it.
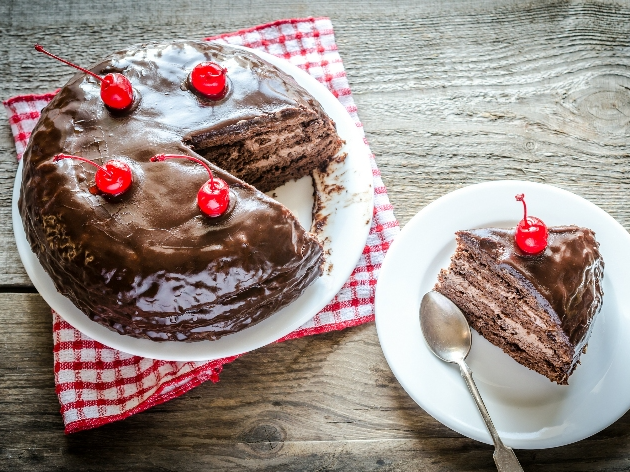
(507, 317)
(148, 263)
(273, 151)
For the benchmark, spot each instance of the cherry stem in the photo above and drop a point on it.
(59, 157)
(41, 49)
(521, 198)
(163, 157)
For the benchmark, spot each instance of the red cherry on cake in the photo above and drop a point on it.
(116, 90)
(531, 233)
(114, 178)
(213, 197)
(210, 80)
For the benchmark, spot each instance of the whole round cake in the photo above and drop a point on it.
(148, 263)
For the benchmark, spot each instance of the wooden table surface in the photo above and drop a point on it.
(451, 93)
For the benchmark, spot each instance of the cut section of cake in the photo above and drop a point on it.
(269, 150)
(540, 308)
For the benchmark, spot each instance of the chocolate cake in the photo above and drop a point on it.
(148, 263)
(538, 308)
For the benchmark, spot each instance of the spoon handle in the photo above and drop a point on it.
(504, 456)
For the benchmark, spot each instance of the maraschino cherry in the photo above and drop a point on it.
(210, 80)
(213, 197)
(114, 178)
(531, 233)
(116, 90)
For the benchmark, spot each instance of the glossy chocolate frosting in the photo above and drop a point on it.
(149, 263)
(566, 277)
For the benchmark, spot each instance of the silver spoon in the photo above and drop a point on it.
(448, 335)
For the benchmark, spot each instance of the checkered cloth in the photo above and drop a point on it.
(96, 384)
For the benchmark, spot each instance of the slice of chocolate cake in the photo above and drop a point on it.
(538, 308)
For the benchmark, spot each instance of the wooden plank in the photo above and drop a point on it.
(450, 94)
(326, 402)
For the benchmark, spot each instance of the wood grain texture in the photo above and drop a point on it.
(450, 93)
(325, 402)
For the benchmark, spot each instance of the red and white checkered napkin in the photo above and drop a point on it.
(97, 385)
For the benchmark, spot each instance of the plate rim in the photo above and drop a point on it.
(381, 298)
(320, 292)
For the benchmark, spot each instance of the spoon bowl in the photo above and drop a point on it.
(445, 328)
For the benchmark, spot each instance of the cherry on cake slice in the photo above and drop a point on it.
(539, 308)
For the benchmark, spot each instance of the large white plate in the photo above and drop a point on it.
(528, 410)
(349, 215)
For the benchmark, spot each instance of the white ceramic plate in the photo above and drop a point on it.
(349, 212)
(528, 410)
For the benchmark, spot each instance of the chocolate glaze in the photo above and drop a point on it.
(149, 263)
(566, 277)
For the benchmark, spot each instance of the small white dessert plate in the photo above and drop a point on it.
(347, 211)
(529, 411)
